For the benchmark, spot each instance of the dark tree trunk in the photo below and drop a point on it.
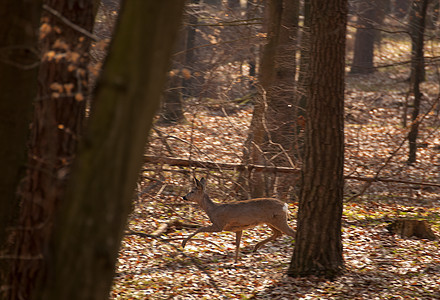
(281, 115)
(418, 16)
(253, 153)
(20, 57)
(401, 8)
(303, 83)
(271, 134)
(188, 80)
(417, 22)
(57, 124)
(172, 110)
(92, 219)
(233, 5)
(365, 36)
(251, 14)
(180, 78)
(318, 245)
(215, 3)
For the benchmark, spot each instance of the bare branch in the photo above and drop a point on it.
(70, 24)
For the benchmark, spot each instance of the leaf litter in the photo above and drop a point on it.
(377, 265)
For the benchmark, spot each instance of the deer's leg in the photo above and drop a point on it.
(282, 226)
(276, 233)
(211, 228)
(238, 235)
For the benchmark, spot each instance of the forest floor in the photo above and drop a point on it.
(378, 265)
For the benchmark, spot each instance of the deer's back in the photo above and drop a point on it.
(240, 215)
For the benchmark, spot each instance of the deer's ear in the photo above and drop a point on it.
(196, 182)
(202, 183)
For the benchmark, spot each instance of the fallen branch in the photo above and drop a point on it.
(178, 162)
(70, 24)
(212, 281)
(195, 239)
(258, 168)
(154, 236)
(379, 179)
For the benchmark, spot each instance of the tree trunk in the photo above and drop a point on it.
(20, 57)
(281, 115)
(318, 246)
(272, 127)
(179, 78)
(188, 80)
(215, 3)
(364, 39)
(417, 22)
(401, 8)
(303, 83)
(252, 12)
(57, 125)
(253, 153)
(418, 15)
(91, 221)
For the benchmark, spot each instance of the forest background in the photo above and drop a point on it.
(233, 111)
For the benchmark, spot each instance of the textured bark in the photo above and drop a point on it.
(401, 8)
(365, 36)
(57, 123)
(417, 21)
(303, 83)
(19, 60)
(91, 221)
(258, 182)
(318, 245)
(270, 141)
(180, 78)
(418, 16)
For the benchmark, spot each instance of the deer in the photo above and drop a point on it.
(240, 215)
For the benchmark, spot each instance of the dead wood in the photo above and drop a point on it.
(407, 228)
(218, 166)
(259, 168)
(163, 228)
(155, 235)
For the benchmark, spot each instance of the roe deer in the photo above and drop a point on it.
(240, 215)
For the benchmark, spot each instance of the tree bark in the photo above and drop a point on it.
(365, 36)
(318, 246)
(401, 8)
(417, 23)
(302, 85)
(91, 221)
(271, 134)
(19, 61)
(57, 124)
(418, 15)
(258, 183)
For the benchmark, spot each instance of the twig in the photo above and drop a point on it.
(378, 179)
(69, 23)
(219, 166)
(164, 141)
(375, 178)
(199, 266)
(228, 166)
(194, 239)
(186, 142)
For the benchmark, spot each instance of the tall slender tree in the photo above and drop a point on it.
(91, 221)
(417, 29)
(272, 125)
(368, 12)
(19, 61)
(318, 244)
(57, 124)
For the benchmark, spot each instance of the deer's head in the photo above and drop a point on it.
(197, 192)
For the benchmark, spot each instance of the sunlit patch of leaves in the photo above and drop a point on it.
(377, 264)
